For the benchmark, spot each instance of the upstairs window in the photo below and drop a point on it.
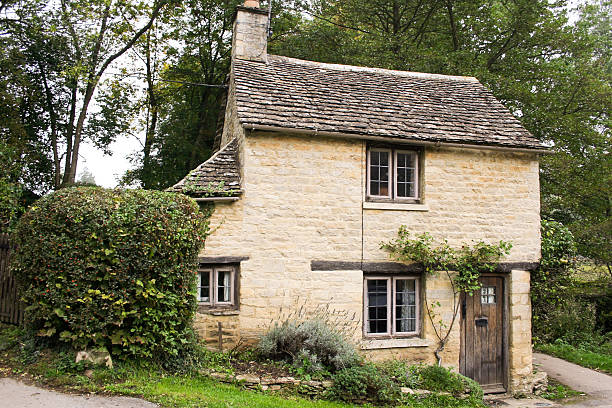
(393, 174)
(217, 285)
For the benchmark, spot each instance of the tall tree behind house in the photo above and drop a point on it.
(62, 49)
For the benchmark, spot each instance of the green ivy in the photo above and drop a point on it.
(111, 268)
(468, 262)
(462, 267)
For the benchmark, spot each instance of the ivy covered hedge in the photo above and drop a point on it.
(111, 268)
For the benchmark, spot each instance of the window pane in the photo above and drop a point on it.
(487, 295)
(374, 190)
(384, 188)
(374, 158)
(401, 189)
(377, 305)
(384, 159)
(405, 305)
(224, 286)
(378, 173)
(204, 286)
(406, 174)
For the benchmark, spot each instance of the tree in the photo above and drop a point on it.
(64, 49)
(186, 61)
(87, 177)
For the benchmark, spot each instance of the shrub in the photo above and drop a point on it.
(111, 268)
(440, 379)
(365, 382)
(310, 344)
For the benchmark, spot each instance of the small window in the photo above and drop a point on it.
(391, 306)
(393, 174)
(488, 295)
(216, 285)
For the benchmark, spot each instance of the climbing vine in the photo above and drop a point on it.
(462, 267)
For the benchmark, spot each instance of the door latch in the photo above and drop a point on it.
(482, 322)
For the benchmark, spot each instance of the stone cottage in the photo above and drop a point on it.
(317, 164)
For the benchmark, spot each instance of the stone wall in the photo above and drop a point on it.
(520, 354)
(304, 201)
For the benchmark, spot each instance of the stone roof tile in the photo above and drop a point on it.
(296, 94)
(218, 176)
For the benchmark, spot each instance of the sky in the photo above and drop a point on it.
(107, 170)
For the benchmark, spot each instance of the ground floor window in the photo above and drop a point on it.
(391, 306)
(216, 285)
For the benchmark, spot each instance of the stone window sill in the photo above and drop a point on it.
(369, 205)
(373, 344)
(205, 309)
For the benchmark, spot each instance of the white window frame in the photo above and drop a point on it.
(392, 176)
(415, 156)
(213, 288)
(391, 304)
(210, 271)
(389, 173)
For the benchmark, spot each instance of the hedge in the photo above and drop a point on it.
(111, 268)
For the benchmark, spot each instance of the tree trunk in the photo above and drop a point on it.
(153, 106)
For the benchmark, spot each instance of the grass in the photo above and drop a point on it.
(57, 370)
(558, 391)
(585, 358)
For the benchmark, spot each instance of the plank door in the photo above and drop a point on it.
(482, 335)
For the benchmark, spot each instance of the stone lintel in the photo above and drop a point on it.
(221, 259)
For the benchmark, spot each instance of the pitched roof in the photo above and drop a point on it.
(218, 176)
(296, 94)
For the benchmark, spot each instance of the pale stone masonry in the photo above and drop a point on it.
(304, 206)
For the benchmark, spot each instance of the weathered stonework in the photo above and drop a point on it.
(250, 41)
(520, 354)
(304, 200)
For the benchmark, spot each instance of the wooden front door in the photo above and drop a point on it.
(483, 340)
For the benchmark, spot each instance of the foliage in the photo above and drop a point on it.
(111, 268)
(468, 262)
(364, 382)
(462, 267)
(311, 345)
(56, 53)
(556, 391)
(556, 312)
(440, 379)
(587, 355)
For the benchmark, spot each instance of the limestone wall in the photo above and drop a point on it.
(303, 201)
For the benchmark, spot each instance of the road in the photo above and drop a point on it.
(15, 394)
(598, 386)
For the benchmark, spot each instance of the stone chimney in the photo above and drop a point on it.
(250, 40)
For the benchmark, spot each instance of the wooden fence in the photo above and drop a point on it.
(11, 310)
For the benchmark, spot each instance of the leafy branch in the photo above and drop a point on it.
(462, 267)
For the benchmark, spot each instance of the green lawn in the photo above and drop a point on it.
(585, 358)
(188, 392)
(184, 392)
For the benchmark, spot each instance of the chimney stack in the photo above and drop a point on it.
(250, 40)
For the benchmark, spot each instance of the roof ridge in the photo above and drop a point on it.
(355, 68)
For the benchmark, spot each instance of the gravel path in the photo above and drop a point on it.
(15, 394)
(597, 385)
